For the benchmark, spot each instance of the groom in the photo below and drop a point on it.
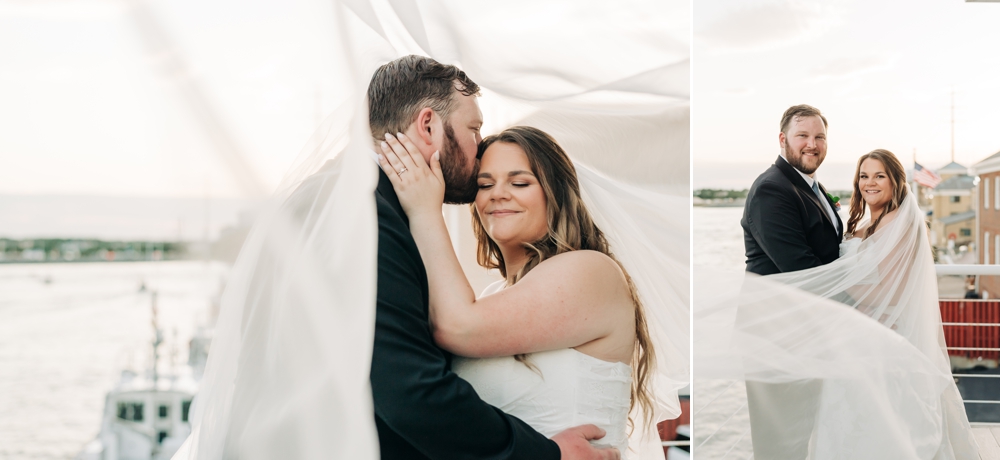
(789, 224)
(422, 409)
(789, 221)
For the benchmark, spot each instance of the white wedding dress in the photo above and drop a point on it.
(565, 388)
(562, 389)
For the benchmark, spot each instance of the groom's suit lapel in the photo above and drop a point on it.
(800, 183)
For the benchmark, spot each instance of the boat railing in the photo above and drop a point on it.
(972, 328)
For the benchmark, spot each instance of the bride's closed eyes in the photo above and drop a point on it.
(515, 178)
(485, 186)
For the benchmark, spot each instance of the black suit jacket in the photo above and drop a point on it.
(422, 409)
(785, 227)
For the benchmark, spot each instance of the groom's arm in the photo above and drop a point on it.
(775, 223)
(416, 395)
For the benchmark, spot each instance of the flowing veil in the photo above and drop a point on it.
(856, 346)
(287, 375)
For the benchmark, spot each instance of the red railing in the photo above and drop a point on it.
(972, 328)
(668, 428)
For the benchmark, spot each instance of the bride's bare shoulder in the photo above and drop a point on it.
(891, 216)
(888, 218)
(587, 263)
(590, 271)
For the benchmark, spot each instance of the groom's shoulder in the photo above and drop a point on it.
(771, 187)
(388, 210)
(771, 177)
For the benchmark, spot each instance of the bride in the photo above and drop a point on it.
(874, 380)
(562, 339)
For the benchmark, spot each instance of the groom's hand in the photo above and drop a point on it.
(574, 444)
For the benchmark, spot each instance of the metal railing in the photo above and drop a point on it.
(967, 269)
(982, 270)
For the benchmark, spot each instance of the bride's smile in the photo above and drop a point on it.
(510, 202)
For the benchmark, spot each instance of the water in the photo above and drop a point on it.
(718, 245)
(718, 238)
(67, 331)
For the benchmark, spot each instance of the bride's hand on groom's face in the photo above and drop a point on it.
(419, 186)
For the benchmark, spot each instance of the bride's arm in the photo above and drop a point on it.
(566, 301)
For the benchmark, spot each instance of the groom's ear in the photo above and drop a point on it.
(781, 139)
(425, 125)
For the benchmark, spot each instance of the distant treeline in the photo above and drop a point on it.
(86, 250)
(723, 194)
(720, 194)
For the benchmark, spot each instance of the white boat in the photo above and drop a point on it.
(146, 415)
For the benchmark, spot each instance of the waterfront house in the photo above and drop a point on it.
(987, 208)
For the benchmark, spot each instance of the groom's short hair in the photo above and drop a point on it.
(400, 89)
(801, 110)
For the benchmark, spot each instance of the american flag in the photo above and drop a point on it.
(925, 176)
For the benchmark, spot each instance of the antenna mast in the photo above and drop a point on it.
(952, 124)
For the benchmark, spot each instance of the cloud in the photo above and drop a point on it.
(735, 26)
(847, 67)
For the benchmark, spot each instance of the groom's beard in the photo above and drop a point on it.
(460, 185)
(797, 163)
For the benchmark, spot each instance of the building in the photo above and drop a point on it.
(951, 204)
(952, 214)
(987, 194)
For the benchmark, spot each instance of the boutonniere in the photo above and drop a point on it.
(835, 200)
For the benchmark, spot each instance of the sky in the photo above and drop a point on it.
(96, 107)
(88, 108)
(97, 137)
(881, 71)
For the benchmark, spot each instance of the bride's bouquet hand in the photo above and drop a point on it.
(419, 186)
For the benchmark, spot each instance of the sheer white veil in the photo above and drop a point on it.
(863, 334)
(287, 375)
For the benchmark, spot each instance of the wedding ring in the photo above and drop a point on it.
(402, 171)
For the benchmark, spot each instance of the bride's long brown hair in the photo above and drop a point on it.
(570, 228)
(897, 178)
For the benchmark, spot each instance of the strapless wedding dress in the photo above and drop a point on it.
(561, 389)
(850, 246)
(566, 388)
